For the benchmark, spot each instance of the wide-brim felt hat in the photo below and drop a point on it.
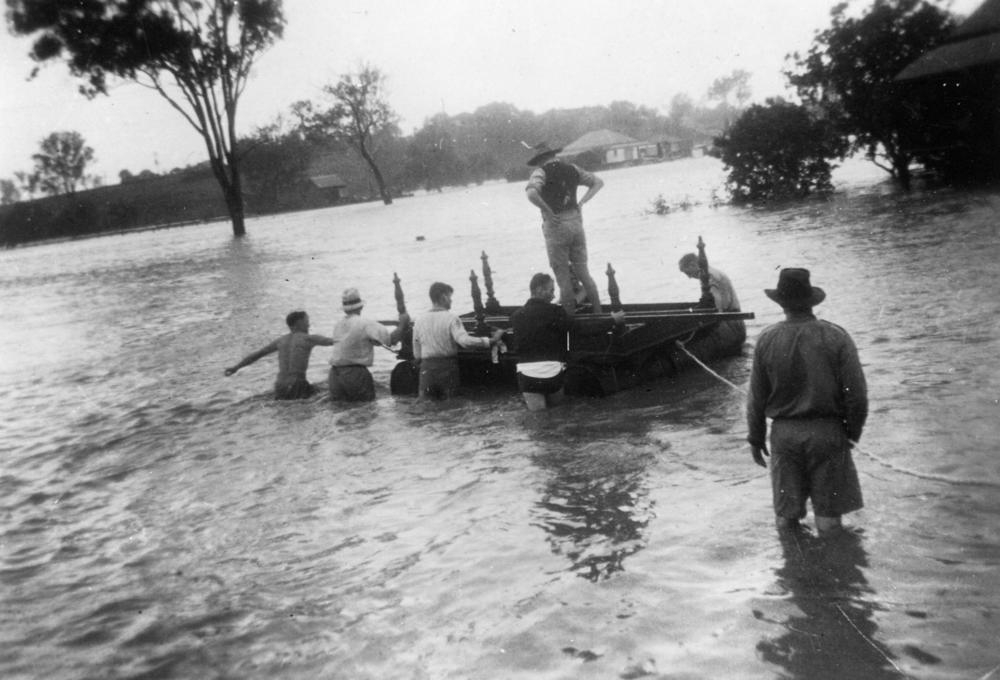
(351, 300)
(795, 290)
(541, 152)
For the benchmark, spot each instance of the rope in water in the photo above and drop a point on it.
(869, 641)
(920, 475)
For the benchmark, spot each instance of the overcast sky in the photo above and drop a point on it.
(439, 55)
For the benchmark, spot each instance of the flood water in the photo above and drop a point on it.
(162, 521)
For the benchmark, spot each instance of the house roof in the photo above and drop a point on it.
(327, 181)
(659, 139)
(974, 43)
(596, 140)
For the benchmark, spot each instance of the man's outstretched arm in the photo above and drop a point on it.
(252, 357)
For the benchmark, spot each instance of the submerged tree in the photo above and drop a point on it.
(848, 74)
(197, 54)
(61, 164)
(359, 116)
(778, 152)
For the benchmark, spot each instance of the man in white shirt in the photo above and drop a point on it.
(437, 335)
(354, 340)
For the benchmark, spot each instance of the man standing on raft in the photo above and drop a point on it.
(552, 188)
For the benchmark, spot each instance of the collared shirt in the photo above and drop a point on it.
(439, 333)
(354, 340)
(806, 368)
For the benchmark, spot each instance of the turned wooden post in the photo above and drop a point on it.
(613, 292)
(477, 304)
(492, 304)
(406, 337)
(707, 299)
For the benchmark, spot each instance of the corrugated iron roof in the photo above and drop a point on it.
(974, 43)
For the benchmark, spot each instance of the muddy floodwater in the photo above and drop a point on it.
(160, 520)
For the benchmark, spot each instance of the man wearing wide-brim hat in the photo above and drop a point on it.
(552, 187)
(354, 340)
(807, 378)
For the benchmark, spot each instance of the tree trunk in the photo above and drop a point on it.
(232, 192)
(904, 173)
(237, 210)
(379, 180)
(234, 201)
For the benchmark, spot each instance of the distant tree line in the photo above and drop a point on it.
(371, 156)
(198, 54)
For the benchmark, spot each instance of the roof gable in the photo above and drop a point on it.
(975, 42)
(986, 19)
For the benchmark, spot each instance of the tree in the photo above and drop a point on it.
(736, 86)
(61, 164)
(358, 116)
(681, 110)
(9, 193)
(848, 74)
(431, 157)
(197, 54)
(275, 163)
(778, 151)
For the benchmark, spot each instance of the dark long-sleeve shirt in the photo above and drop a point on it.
(540, 331)
(806, 368)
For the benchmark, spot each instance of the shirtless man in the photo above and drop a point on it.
(293, 358)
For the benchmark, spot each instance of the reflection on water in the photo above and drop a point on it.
(595, 507)
(833, 635)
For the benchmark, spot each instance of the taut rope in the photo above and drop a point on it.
(920, 475)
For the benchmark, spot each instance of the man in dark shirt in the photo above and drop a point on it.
(808, 379)
(541, 341)
(552, 189)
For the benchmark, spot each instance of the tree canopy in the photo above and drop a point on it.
(359, 115)
(848, 72)
(61, 165)
(777, 152)
(197, 54)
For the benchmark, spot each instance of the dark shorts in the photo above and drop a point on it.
(299, 388)
(351, 383)
(811, 459)
(540, 385)
(439, 378)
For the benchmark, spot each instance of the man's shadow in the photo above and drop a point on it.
(834, 636)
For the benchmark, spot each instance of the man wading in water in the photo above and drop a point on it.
(293, 358)
(807, 378)
(552, 188)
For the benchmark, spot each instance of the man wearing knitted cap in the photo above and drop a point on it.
(552, 189)
(354, 340)
(807, 378)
